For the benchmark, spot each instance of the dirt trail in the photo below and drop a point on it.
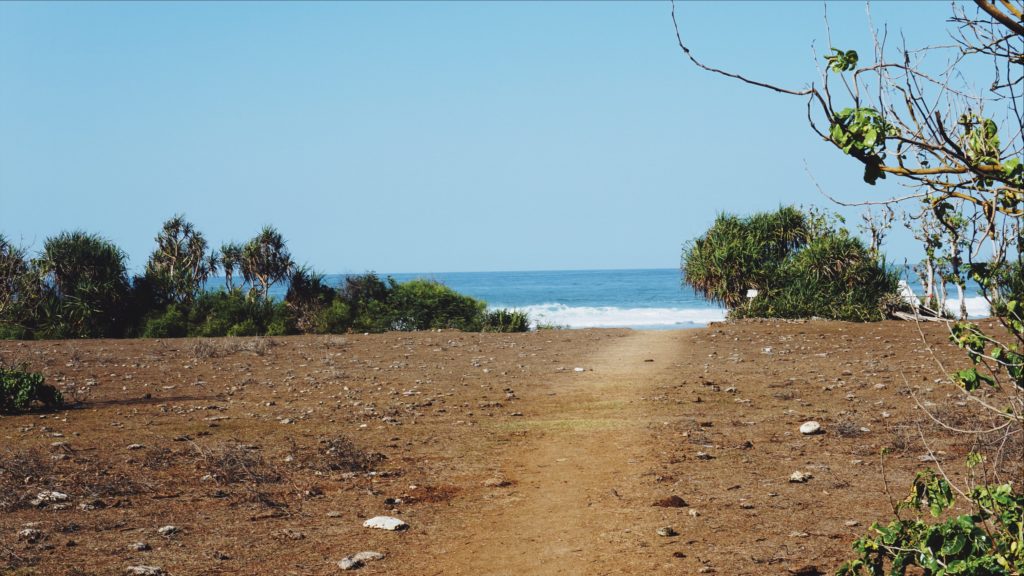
(578, 504)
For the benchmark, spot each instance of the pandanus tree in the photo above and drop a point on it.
(181, 263)
(265, 261)
(88, 285)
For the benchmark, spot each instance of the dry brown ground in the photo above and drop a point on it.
(268, 454)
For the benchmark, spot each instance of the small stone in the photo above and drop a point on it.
(145, 571)
(810, 427)
(30, 535)
(368, 556)
(218, 555)
(49, 497)
(385, 523)
(851, 523)
(350, 564)
(334, 514)
(497, 482)
(287, 421)
(579, 369)
(293, 534)
(667, 532)
(168, 530)
(139, 547)
(746, 505)
(693, 512)
(799, 477)
(136, 446)
(704, 456)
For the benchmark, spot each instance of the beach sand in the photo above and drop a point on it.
(499, 452)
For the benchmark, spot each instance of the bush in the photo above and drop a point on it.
(800, 268)
(88, 286)
(426, 304)
(987, 542)
(231, 313)
(505, 320)
(19, 389)
(173, 323)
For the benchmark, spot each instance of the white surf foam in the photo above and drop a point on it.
(614, 317)
(977, 307)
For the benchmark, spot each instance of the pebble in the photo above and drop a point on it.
(799, 477)
(136, 446)
(810, 427)
(334, 514)
(385, 523)
(49, 497)
(667, 531)
(496, 482)
(145, 571)
(30, 535)
(579, 369)
(139, 547)
(168, 530)
(359, 559)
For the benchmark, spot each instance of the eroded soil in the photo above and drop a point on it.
(268, 454)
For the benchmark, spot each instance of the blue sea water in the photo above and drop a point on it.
(642, 299)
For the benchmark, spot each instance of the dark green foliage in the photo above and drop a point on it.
(86, 285)
(988, 542)
(366, 296)
(173, 323)
(426, 304)
(800, 266)
(505, 320)
(308, 300)
(737, 254)
(832, 277)
(232, 313)
(20, 389)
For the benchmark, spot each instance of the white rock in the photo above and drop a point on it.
(49, 497)
(168, 530)
(30, 535)
(385, 523)
(350, 564)
(579, 369)
(139, 546)
(368, 556)
(799, 477)
(136, 446)
(145, 571)
(810, 427)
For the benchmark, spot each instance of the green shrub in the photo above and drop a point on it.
(244, 328)
(426, 304)
(335, 319)
(19, 389)
(990, 541)
(505, 320)
(173, 323)
(800, 266)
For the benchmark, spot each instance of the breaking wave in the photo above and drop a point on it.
(615, 317)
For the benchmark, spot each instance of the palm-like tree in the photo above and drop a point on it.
(265, 261)
(180, 265)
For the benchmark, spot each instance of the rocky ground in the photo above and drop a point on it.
(555, 452)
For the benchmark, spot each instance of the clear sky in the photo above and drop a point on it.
(419, 137)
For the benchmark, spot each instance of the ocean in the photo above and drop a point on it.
(653, 299)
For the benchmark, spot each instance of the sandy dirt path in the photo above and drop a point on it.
(578, 504)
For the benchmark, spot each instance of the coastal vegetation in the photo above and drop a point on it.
(79, 287)
(923, 115)
(788, 264)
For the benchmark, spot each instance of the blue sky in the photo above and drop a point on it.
(419, 137)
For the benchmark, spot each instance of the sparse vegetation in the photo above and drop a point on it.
(20, 390)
